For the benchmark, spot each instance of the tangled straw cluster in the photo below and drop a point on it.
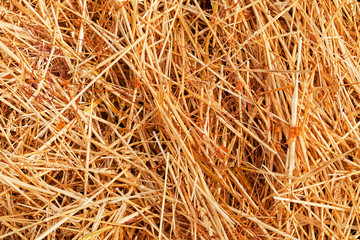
(182, 119)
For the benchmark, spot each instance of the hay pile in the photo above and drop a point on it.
(181, 119)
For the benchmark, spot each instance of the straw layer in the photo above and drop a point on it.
(179, 119)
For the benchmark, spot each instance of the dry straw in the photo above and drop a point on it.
(179, 119)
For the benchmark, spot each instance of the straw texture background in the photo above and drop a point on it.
(181, 119)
